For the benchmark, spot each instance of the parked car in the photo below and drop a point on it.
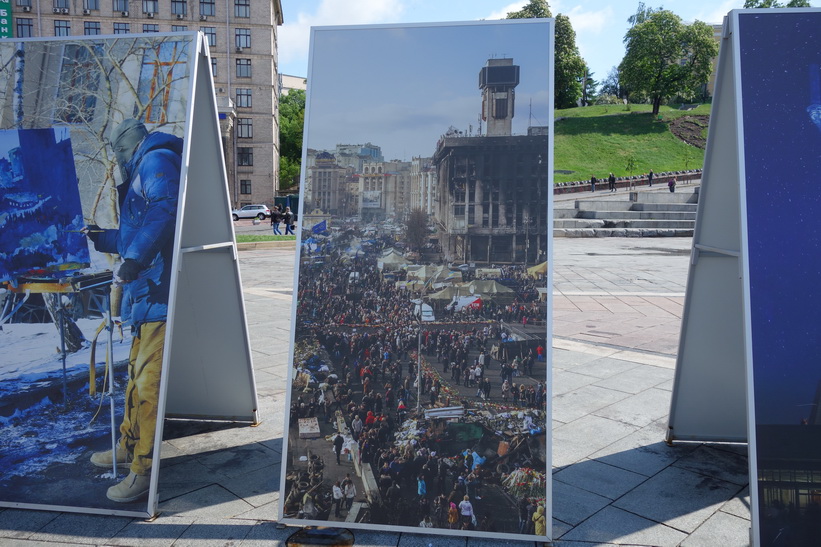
(251, 211)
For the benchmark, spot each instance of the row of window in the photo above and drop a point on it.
(25, 29)
(242, 8)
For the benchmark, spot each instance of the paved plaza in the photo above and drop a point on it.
(617, 312)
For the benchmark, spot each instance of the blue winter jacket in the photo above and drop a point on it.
(148, 215)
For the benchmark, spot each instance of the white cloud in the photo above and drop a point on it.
(294, 36)
(501, 13)
(590, 21)
(717, 13)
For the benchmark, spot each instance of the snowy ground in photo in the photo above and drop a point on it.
(37, 428)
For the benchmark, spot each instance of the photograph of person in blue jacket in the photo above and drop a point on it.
(150, 167)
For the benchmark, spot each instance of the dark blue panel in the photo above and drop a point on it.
(40, 211)
(780, 56)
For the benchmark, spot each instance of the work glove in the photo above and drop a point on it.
(129, 270)
(93, 232)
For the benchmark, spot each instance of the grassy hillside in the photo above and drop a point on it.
(600, 139)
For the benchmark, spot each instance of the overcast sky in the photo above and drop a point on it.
(402, 87)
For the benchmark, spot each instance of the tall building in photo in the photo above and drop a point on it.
(242, 39)
(385, 190)
(492, 189)
(328, 184)
(498, 80)
(423, 187)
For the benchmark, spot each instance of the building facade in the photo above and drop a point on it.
(242, 40)
(492, 189)
(385, 190)
(423, 185)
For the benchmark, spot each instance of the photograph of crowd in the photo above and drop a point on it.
(419, 386)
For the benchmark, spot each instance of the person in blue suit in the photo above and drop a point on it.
(150, 166)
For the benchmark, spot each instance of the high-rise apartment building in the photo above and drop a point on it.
(242, 40)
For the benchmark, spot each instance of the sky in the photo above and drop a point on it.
(600, 25)
(402, 87)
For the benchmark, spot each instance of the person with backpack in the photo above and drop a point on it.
(288, 217)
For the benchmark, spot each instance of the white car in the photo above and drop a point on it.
(251, 211)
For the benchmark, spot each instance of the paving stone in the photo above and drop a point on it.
(715, 462)
(568, 359)
(679, 498)
(420, 540)
(177, 479)
(267, 534)
(160, 533)
(599, 478)
(573, 505)
(739, 506)
(239, 460)
(604, 367)
(259, 487)
(267, 512)
(20, 523)
(579, 439)
(637, 379)
(210, 502)
(207, 532)
(614, 526)
(373, 538)
(481, 542)
(565, 381)
(560, 528)
(643, 451)
(33, 543)
(582, 401)
(640, 409)
(76, 528)
(720, 529)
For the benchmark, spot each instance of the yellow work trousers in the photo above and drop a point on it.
(142, 395)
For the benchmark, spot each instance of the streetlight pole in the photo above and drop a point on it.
(419, 363)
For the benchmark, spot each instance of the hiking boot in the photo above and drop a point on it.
(103, 459)
(130, 489)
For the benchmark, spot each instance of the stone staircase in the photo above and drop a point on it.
(641, 214)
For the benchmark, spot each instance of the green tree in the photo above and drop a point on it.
(776, 4)
(416, 229)
(536, 9)
(611, 85)
(569, 69)
(642, 14)
(569, 65)
(291, 123)
(666, 58)
(589, 86)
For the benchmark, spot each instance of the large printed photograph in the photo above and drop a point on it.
(419, 380)
(781, 96)
(90, 160)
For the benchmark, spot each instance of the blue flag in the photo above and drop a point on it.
(320, 227)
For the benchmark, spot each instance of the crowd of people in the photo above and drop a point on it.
(367, 339)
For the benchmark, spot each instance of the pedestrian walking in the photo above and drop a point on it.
(338, 497)
(276, 218)
(338, 442)
(611, 180)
